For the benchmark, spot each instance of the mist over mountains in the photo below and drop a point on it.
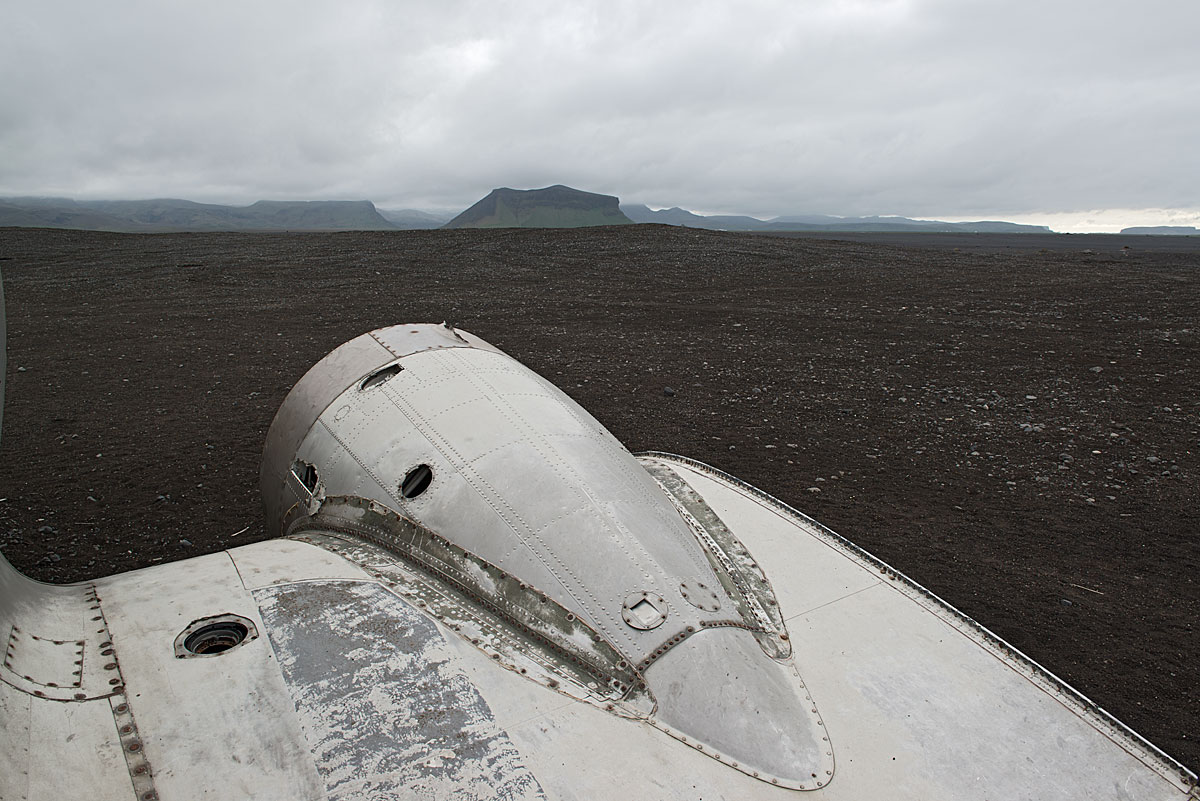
(823, 222)
(555, 206)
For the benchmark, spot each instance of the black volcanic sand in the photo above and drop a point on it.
(1017, 427)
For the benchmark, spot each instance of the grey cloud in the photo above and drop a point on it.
(836, 106)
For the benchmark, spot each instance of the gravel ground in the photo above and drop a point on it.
(1012, 421)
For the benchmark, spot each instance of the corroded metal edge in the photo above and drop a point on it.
(465, 591)
(741, 576)
(1102, 720)
(140, 773)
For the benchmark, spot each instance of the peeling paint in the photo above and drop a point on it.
(409, 725)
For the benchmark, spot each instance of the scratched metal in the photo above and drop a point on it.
(502, 643)
(514, 623)
(539, 619)
(387, 710)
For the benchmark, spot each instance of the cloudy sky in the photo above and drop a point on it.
(1056, 111)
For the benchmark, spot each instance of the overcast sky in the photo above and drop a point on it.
(1062, 111)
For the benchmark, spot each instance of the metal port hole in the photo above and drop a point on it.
(379, 376)
(416, 481)
(215, 638)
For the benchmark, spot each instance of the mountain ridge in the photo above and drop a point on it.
(820, 222)
(175, 215)
(555, 206)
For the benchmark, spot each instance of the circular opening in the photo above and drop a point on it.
(416, 481)
(215, 637)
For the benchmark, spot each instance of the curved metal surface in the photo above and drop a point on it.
(519, 476)
(328, 378)
(1047, 681)
(375, 679)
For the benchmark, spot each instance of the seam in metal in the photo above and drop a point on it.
(1099, 716)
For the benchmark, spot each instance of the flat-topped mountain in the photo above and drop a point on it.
(1162, 230)
(553, 207)
(169, 214)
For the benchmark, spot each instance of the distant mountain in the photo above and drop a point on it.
(678, 216)
(413, 219)
(1162, 230)
(821, 222)
(184, 215)
(553, 207)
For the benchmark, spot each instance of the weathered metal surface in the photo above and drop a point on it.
(322, 384)
(741, 576)
(360, 682)
(900, 673)
(515, 475)
(219, 727)
(404, 723)
(523, 620)
(919, 708)
(54, 639)
(51, 750)
(285, 561)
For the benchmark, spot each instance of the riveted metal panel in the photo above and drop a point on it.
(307, 400)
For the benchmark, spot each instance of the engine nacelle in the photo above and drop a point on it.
(536, 535)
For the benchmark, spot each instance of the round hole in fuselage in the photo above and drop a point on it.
(416, 481)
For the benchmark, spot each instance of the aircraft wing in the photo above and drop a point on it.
(477, 592)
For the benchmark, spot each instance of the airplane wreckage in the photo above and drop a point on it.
(475, 591)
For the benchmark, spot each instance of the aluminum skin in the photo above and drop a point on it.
(526, 486)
